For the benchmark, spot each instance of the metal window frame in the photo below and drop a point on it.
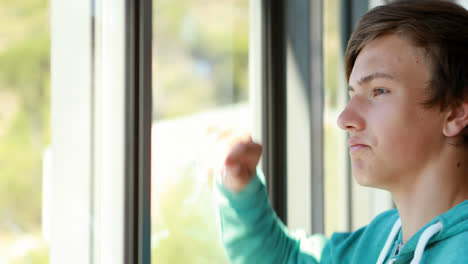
(316, 106)
(305, 114)
(71, 132)
(293, 72)
(112, 95)
(138, 118)
(274, 105)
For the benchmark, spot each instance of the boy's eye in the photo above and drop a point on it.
(379, 91)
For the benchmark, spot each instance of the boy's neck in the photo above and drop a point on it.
(437, 188)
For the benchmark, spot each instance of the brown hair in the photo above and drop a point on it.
(441, 28)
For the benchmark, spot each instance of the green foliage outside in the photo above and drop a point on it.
(200, 55)
(332, 53)
(332, 134)
(24, 119)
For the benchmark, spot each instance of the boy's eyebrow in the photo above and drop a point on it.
(371, 77)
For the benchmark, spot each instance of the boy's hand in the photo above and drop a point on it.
(238, 158)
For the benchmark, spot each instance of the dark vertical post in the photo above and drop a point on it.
(138, 131)
(275, 105)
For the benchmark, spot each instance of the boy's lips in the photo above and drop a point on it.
(356, 144)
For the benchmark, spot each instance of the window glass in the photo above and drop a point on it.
(335, 145)
(200, 80)
(24, 131)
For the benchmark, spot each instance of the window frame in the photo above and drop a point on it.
(273, 96)
(101, 131)
(305, 108)
(138, 118)
(71, 136)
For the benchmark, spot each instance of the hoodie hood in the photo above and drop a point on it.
(445, 226)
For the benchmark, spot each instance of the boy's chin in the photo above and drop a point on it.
(367, 180)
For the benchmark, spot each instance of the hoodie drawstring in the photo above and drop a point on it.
(396, 227)
(422, 241)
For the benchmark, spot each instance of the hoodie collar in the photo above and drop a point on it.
(454, 221)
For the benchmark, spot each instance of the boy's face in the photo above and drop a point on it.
(392, 137)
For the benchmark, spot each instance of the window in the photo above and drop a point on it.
(200, 79)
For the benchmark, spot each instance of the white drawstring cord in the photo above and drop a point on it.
(422, 242)
(388, 244)
(423, 239)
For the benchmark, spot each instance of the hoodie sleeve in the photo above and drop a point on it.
(252, 233)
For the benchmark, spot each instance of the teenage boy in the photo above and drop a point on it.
(407, 70)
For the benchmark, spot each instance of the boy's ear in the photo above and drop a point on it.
(456, 121)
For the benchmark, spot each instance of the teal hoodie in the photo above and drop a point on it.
(252, 233)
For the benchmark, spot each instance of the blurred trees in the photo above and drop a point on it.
(24, 112)
(200, 51)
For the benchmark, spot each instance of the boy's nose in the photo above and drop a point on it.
(350, 119)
